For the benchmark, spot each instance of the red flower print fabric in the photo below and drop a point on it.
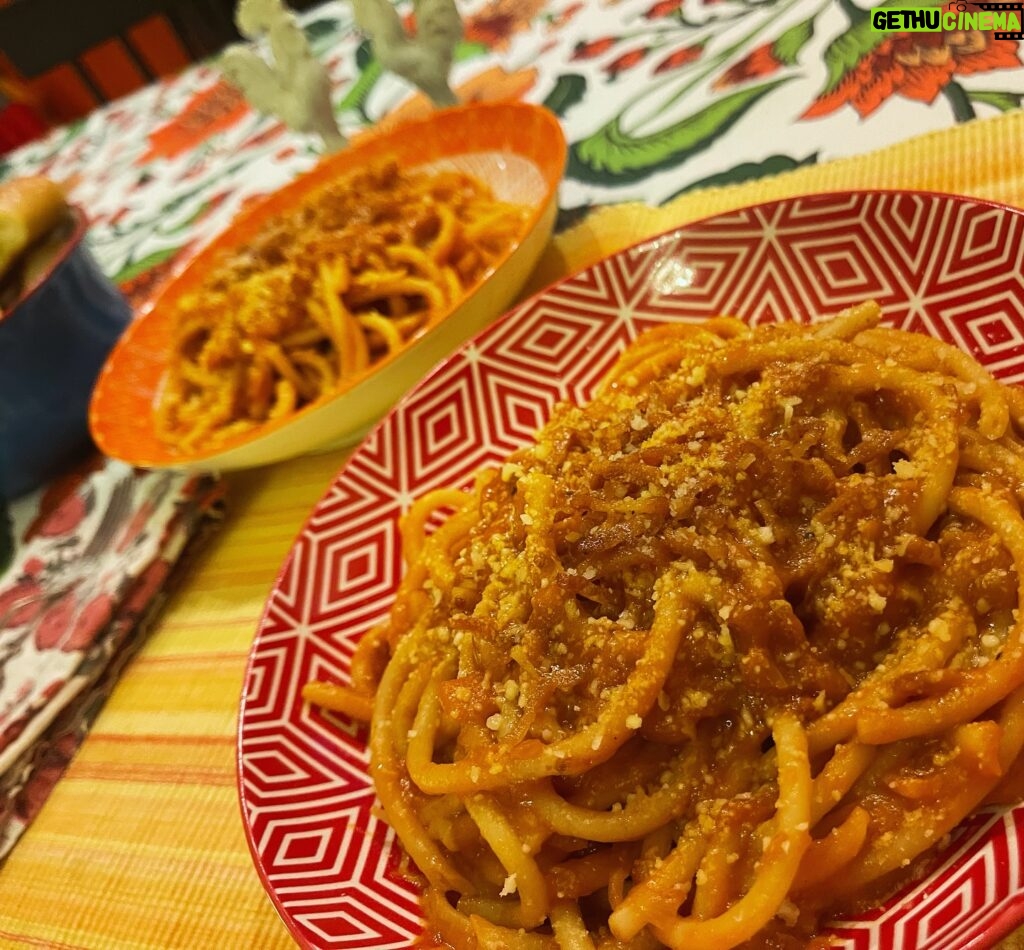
(94, 551)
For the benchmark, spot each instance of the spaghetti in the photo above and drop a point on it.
(728, 649)
(323, 294)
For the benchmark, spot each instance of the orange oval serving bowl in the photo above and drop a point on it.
(515, 148)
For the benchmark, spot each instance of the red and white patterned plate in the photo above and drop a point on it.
(937, 264)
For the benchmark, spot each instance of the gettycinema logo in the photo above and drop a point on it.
(1002, 19)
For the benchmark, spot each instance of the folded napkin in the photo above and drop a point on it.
(93, 555)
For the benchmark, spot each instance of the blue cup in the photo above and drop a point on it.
(53, 342)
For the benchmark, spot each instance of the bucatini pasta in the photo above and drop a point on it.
(730, 648)
(323, 293)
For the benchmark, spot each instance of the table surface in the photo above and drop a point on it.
(721, 103)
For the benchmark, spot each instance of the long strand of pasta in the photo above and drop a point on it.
(780, 861)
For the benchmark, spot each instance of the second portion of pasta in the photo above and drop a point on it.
(733, 645)
(349, 276)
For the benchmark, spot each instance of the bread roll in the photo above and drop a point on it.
(29, 209)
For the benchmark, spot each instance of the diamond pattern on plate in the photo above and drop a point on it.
(940, 265)
(270, 769)
(983, 246)
(515, 414)
(904, 224)
(549, 338)
(358, 566)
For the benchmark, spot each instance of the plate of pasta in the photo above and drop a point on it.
(678, 608)
(301, 324)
